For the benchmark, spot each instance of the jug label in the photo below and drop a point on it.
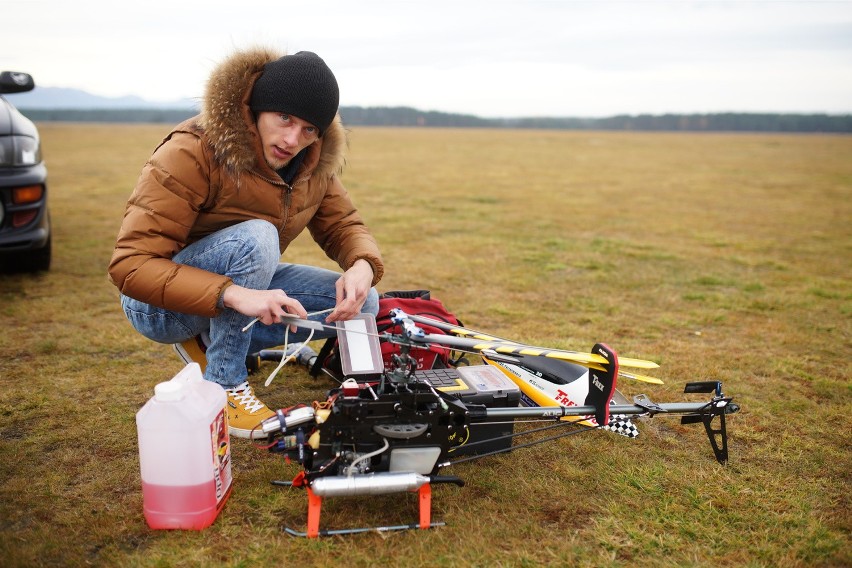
(221, 445)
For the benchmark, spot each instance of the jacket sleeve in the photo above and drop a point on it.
(172, 188)
(338, 228)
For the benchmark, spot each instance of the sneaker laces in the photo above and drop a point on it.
(244, 395)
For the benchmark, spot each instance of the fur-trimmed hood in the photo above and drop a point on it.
(229, 124)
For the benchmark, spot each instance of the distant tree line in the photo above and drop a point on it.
(152, 115)
(410, 117)
(722, 122)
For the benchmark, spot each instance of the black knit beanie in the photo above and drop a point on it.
(299, 84)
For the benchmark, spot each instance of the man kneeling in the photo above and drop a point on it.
(218, 202)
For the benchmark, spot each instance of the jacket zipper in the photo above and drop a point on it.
(288, 199)
(288, 195)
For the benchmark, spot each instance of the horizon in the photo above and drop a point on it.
(116, 104)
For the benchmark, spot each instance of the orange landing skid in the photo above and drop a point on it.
(424, 498)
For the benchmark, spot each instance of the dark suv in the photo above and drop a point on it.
(25, 240)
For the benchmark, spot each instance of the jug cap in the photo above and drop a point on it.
(168, 391)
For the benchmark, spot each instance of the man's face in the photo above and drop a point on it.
(283, 136)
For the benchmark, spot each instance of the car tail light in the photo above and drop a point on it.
(27, 194)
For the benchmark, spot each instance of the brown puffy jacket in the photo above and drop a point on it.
(208, 174)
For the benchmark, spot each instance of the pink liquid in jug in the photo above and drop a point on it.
(192, 507)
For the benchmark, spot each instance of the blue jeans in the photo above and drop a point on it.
(247, 253)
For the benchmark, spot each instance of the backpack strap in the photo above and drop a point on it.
(408, 294)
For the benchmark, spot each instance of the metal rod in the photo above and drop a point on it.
(333, 532)
(586, 410)
(525, 445)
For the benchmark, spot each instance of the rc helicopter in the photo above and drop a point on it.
(398, 429)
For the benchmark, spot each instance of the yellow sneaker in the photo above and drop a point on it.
(245, 412)
(194, 349)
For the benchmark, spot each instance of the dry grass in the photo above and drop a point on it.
(720, 256)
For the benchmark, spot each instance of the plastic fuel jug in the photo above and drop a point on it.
(184, 452)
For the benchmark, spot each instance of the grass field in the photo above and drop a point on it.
(718, 256)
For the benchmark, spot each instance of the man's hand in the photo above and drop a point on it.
(266, 305)
(352, 289)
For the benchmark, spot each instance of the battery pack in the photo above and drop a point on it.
(483, 385)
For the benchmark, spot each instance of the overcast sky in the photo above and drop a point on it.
(491, 58)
